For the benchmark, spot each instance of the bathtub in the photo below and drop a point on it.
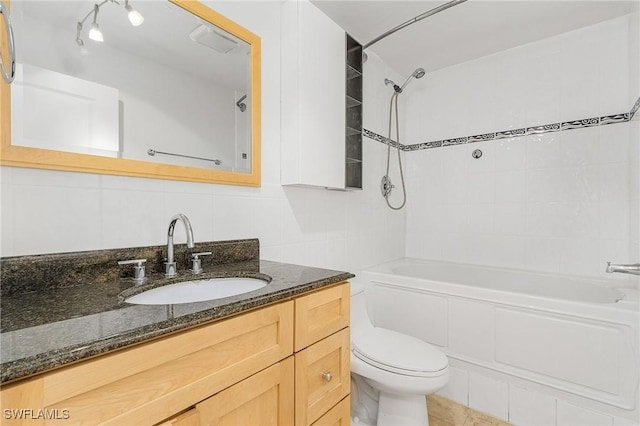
(575, 337)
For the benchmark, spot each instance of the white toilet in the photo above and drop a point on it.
(391, 372)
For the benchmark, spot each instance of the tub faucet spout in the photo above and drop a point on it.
(170, 264)
(633, 268)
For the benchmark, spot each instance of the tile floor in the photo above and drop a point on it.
(444, 412)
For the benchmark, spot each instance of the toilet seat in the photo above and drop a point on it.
(398, 353)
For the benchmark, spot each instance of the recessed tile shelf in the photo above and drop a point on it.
(504, 134)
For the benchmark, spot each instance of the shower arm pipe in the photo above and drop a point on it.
(414, 20)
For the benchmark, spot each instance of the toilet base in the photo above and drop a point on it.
(402, 410)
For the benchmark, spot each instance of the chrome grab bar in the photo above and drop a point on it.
(153, 152)
(8, 77)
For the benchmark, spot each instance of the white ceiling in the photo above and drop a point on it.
(464, 32)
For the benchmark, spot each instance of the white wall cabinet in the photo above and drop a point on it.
(313, 97)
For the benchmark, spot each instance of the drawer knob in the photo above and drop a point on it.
(327, 376)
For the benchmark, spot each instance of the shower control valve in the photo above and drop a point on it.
(386, 186)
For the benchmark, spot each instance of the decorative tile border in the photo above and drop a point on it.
(379, 138)
(514, 133)
(612, 119)
(481, 138)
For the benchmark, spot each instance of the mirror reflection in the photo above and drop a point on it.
(141, 80)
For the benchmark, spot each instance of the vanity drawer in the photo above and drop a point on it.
(320, 314)
(322, 377)
(340, 415)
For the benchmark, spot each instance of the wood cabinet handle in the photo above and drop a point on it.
(327, 376)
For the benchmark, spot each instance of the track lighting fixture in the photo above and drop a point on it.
(78, 31)
(135, 17)
(95, 34)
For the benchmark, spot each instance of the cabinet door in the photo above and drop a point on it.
(264, 399)
(313, 97)
(322, 377)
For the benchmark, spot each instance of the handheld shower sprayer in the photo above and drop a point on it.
(385, 185)
(391, 83)
(418, 73)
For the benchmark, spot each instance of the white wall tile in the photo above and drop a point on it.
(454, 247)
(481, 188)
(457, 389)
(614, 64)
(579, 147)
(617, 421)
(134, 219)
(488, 395)
(580, 74)
(480, 218)
(6, 216)
(453, 218)
(580, 257)
(614, 182)
(614, 143)
(486, 163)
(37, 177)
(570, 415)
(543, 151)
(543, 91)
(614, 220)
(530, 408)
(509, 218)
(543, 254)
(510, 186)
(77, 225)
(510, 154)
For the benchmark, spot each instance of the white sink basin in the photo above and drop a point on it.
(196, 291)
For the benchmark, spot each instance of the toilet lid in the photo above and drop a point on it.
(398, 353)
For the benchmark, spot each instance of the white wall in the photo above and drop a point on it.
(46, 211)
(557, 202)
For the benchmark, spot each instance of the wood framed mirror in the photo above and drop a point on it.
(169, 133)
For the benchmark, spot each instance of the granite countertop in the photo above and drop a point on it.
(49, 325)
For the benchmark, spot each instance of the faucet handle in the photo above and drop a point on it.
(138, 270)
(197, 262)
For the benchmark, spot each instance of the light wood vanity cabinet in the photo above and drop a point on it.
(241, 370)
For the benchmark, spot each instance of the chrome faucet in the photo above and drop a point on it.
(170, 264)
(633, 268)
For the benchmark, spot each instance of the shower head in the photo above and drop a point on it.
(418, 73)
